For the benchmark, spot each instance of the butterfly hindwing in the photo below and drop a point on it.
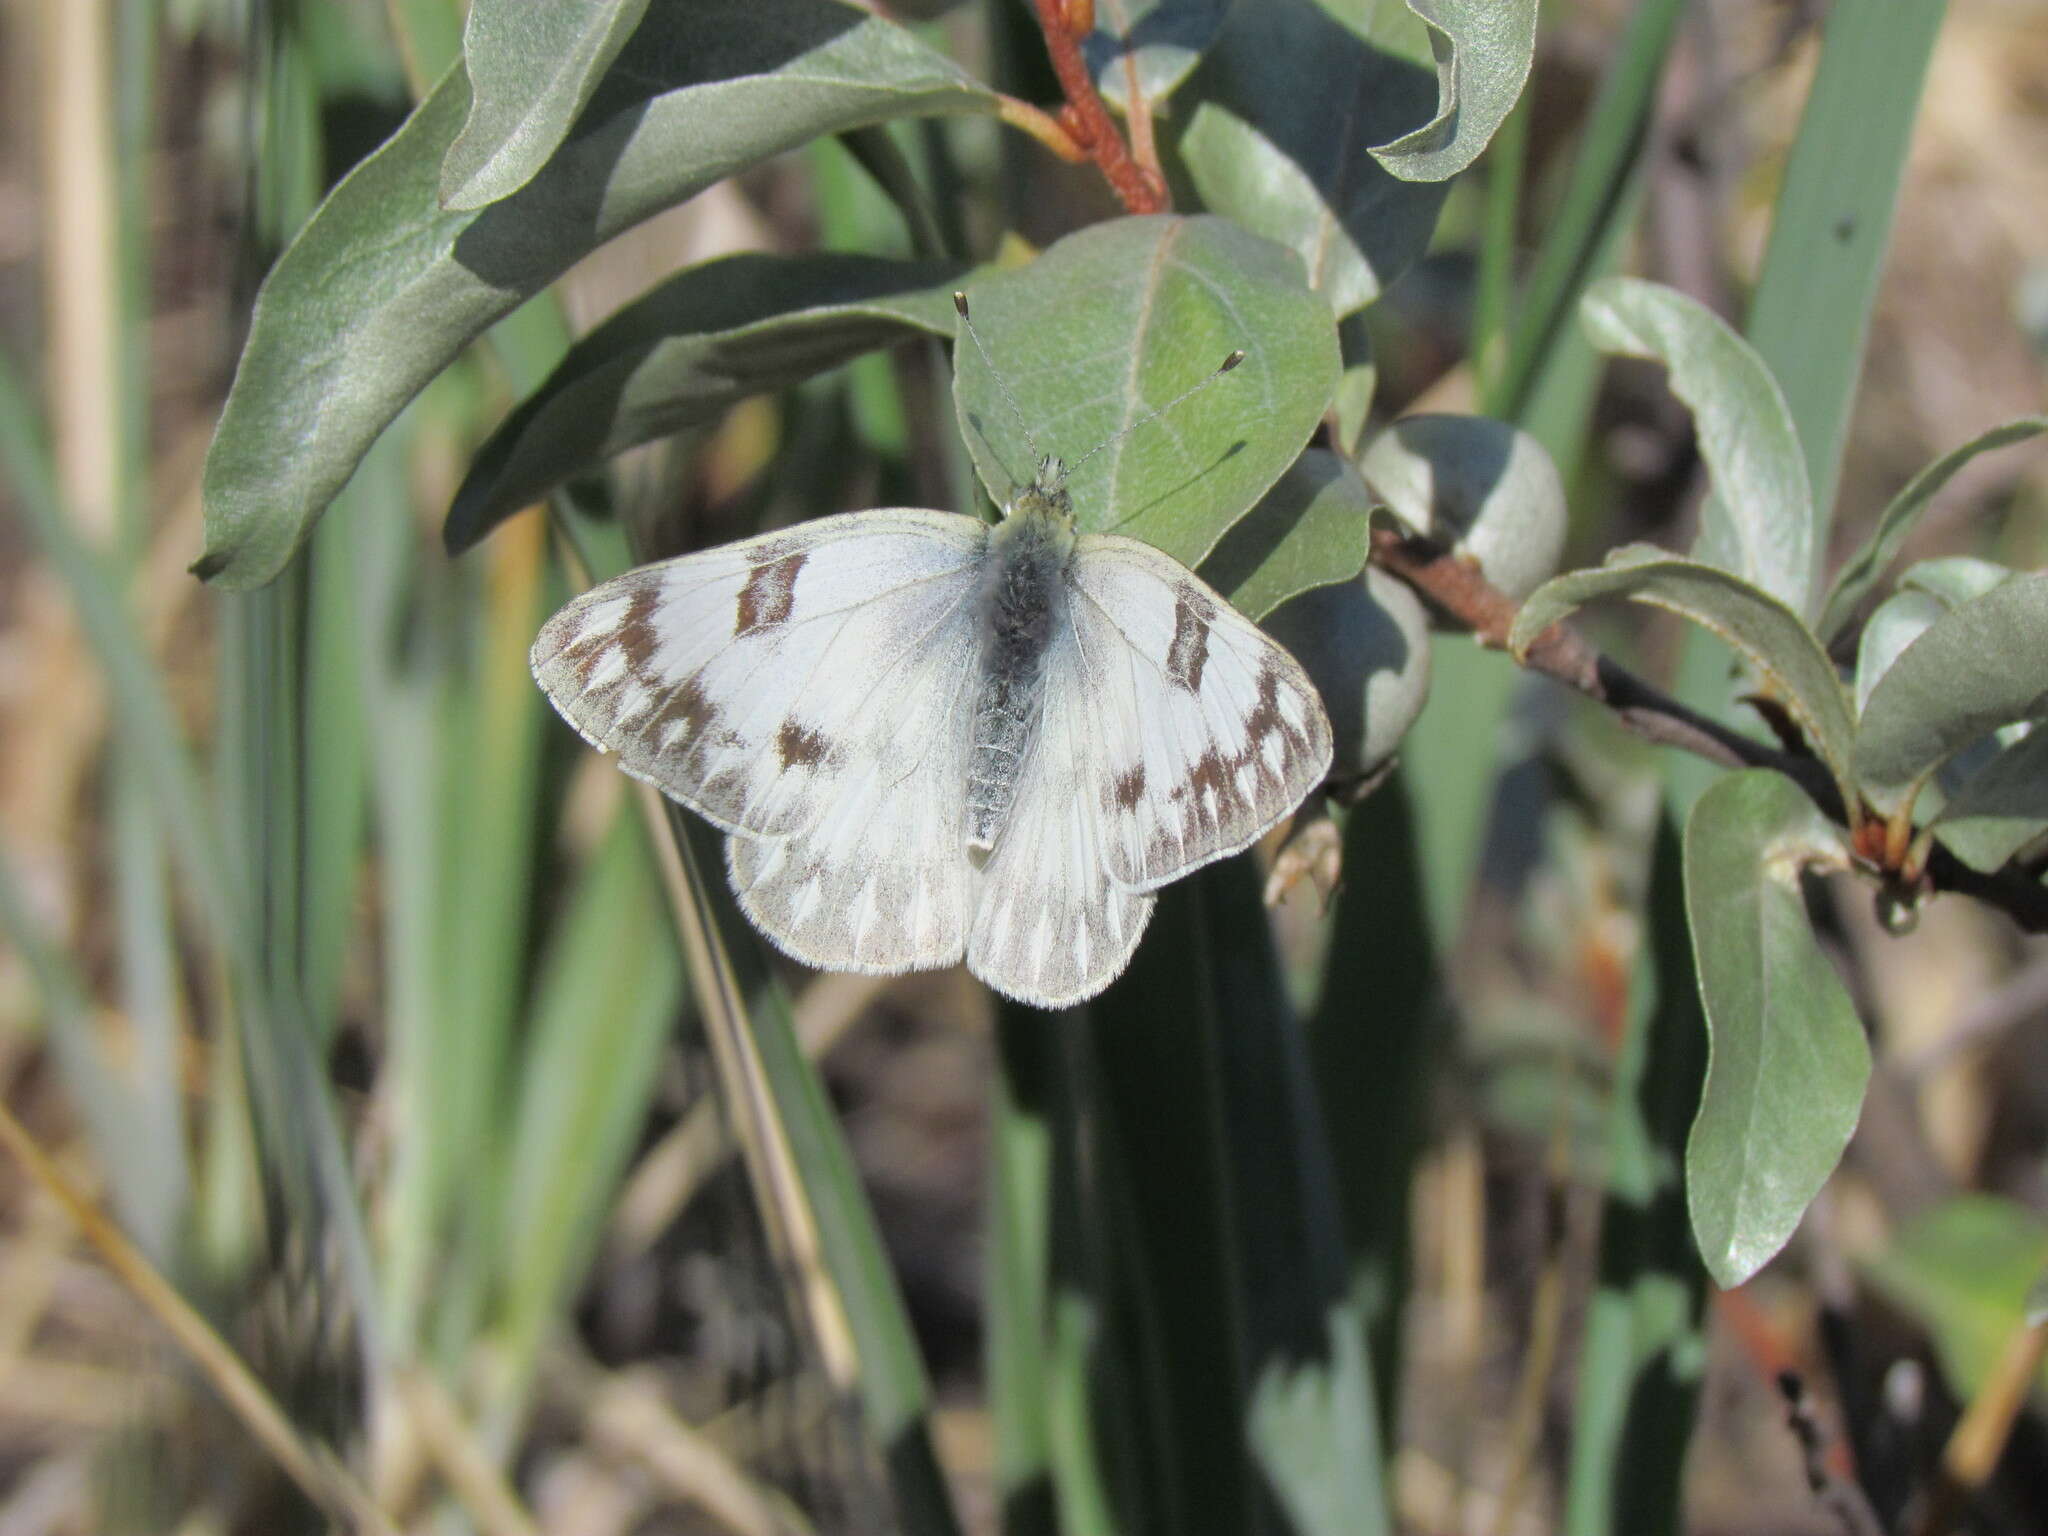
(1210, 731)
(879, 881)
(1050, 926)
(753, 682)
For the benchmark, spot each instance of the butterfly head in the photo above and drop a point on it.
(1045, 499)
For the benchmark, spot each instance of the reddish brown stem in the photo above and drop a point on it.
(1088, 120)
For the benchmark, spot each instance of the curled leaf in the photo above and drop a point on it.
(1483, 51)
(1759, 521)
(1484, 487)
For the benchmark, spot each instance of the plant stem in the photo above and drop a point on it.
(1085, 117)
(1459, 590)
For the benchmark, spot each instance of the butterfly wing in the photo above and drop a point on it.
(804, 691)
(1209, 731)
(740, 679)
(1050, 926)
(879, 881)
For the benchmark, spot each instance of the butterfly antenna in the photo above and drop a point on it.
(1222, 368)
(1038, 459)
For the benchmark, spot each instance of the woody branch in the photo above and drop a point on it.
(1458, 589)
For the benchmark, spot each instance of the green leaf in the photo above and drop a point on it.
(1769, 634)
(1481, 486)
(683, 352)
(1787, 1063)
(1898, 621)
(1982, 666)
(1291, 100)
(1759, 523)
(533, 66)
(1359, 383)
(1365, 643)
(1117, 320)
(2002, 808)
(1860, 572)
(1158, 41)
(1483, 51)
(1968, 1267)
(1314, 1427)
(383, 287)
(1230, 1241)
(1955, 579)
(1310, 530)
(1017, 1223)
(145, 1184)
(1374, 1072)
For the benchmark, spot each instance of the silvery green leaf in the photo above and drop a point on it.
(1861, 571)
(1117, 320)
(1158, 41)
(1483, 487)
(1955, 579)
(1768, 634)
(383, 287)
(683, 352)
(1759, 521)
(1899, 620)
(1359, 384)
(1483, 50)
(1979, 667)
(1310, 530)
(533, 66)
(1286, 106)
(2002, 808)
(1788, 1062)
(1365, 643)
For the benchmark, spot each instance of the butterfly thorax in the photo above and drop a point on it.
(1022, 600)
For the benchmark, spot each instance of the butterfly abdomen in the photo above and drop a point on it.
(1022, 596)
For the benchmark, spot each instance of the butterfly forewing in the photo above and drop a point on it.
(1210, 731)
(751, 682)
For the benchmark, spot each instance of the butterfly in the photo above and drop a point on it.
(928, 737)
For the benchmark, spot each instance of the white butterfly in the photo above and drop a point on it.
(928, 737)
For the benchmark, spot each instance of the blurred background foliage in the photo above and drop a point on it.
(346, 983)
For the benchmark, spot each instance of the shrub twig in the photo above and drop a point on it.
(1064, 23)
(1460, 591)
(1843, 1497)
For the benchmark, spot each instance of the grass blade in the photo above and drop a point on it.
(1603, 171)
(140, 705)
(607, 1000)
(1810, 317)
